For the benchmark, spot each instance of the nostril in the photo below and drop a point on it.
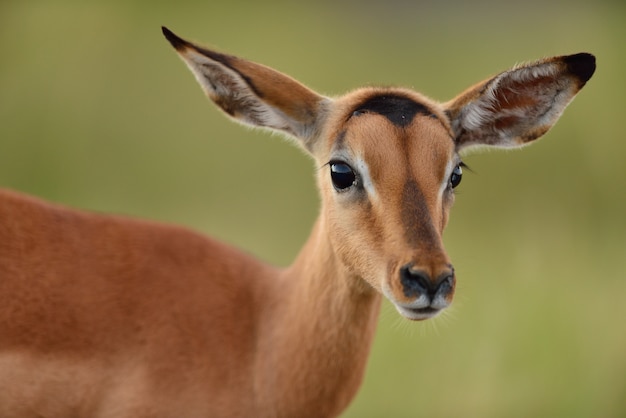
(418, 282)
(445, 284)
(414, 282)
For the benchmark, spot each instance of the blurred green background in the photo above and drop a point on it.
(97, 112)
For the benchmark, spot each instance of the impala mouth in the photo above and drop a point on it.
(418, 314)
(422, 308)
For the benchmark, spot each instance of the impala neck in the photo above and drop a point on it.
(322, 326)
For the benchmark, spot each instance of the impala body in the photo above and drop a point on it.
(105, 316)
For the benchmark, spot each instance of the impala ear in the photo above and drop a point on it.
(519, 105)
(254, 94)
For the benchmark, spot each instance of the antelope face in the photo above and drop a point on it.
(389, 168)
(388, 157)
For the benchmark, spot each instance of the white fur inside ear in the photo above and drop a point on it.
(530, 97)
(225, 86)
(484, 110)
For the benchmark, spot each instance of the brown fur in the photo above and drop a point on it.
(105, 316)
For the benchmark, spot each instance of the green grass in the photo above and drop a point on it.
(96, 111)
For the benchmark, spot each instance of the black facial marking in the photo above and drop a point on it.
(398, 109)
(416, 220)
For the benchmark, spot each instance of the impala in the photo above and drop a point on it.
(104, 316)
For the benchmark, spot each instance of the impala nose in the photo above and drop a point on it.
(417, 283)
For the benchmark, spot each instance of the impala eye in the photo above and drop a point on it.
(342, 175)
(455, 177)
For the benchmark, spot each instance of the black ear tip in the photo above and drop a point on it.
(177, 43)
(582, 65)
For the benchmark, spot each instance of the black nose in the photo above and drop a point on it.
(417, 282)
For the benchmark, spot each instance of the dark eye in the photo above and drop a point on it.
(455, 177)
(342, 175)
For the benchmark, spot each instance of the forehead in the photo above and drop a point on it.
(380, 123)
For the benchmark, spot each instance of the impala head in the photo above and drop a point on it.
(389, 158)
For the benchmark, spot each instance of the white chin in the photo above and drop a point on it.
(419, 314)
